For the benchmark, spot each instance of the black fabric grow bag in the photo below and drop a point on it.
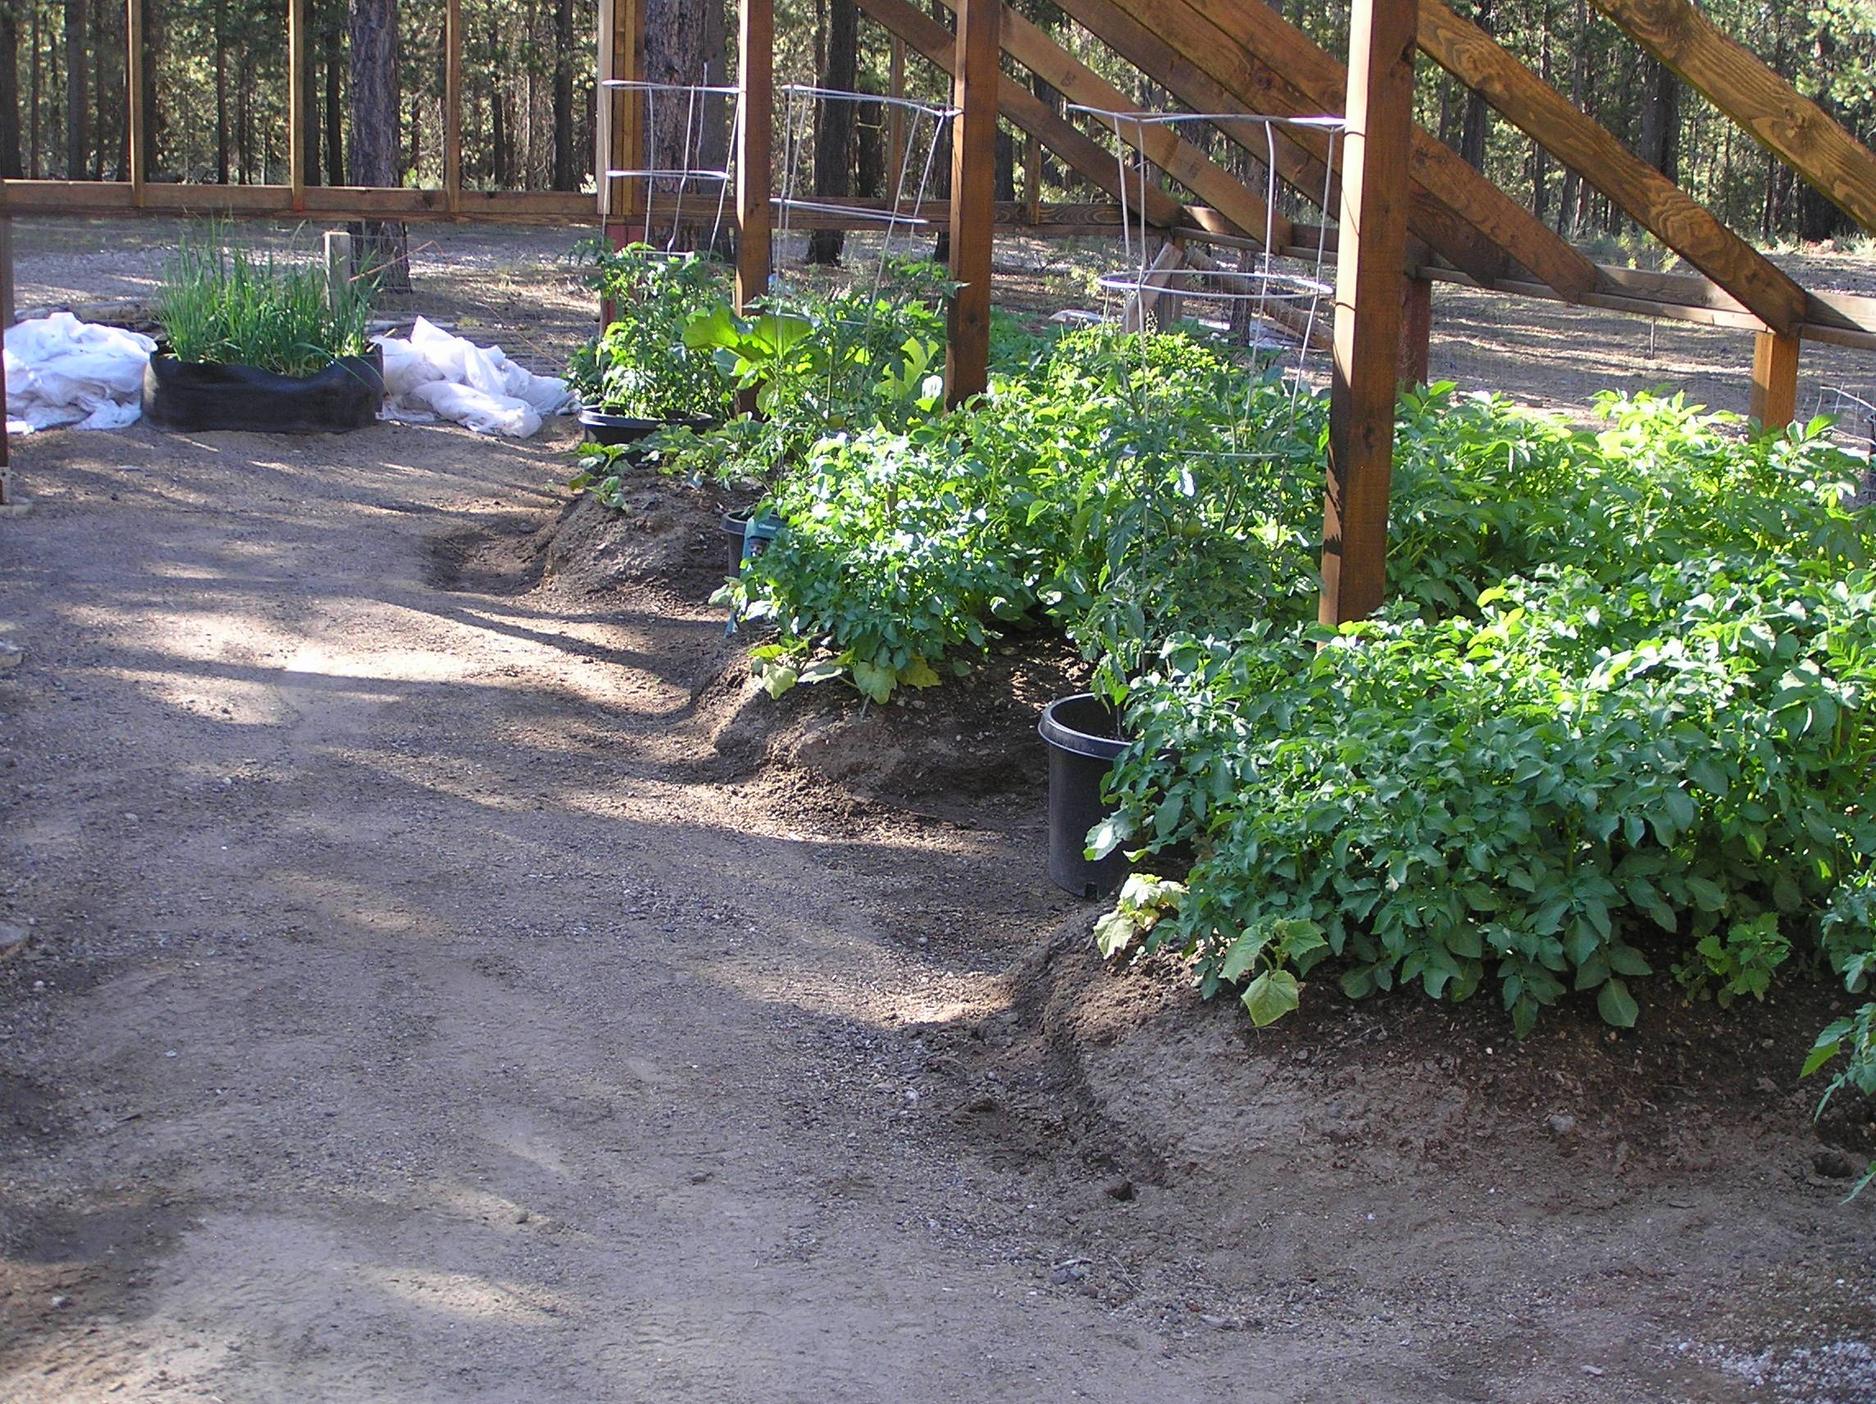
(605, 428)
(194, 395)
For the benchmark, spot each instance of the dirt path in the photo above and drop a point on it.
(418, 1007)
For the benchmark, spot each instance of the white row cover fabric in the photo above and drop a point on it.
(64, 371)
(433, 375)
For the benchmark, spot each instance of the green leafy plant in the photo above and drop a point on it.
(642, 365)
(221, 303)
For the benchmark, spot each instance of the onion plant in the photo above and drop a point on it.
(221, 302)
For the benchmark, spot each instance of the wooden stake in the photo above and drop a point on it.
(296, 100)
(338, 268)
(1774, 379)
(1372, 246)
(1416, 331)
(452, 105)
(973, 196)
(133, 92)
(754, 160)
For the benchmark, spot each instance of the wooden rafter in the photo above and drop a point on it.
(1233, 80)
(1087, 157)
(1217, 31)
(1161, 145)
(1777, 115)
(1574, 138)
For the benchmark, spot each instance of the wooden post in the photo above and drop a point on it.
(973, 196)
(1032, 178)
(1371, 249)
(754, 162)
(133, 92)
(338, 268)
(452, 105)
(1416, 331)
(617, 135)
(7, 310)
(1774, 379)
(296, 100)
(895, 115)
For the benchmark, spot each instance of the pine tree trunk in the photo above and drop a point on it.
(334, 61)
(221, 98)
(383, 249)
(74, 89)
(675, 52)
(9, 93)
(1659, 143)
(566, 160)
(1473, 129)
(833, 133)
(100, 117)
(32, 121)
(153, 39)
(309, 116)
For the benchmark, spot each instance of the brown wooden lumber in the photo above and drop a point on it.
(1373, 241)
(1242, 83)
(1781, 119)
(1162, 145)
(1416, 331)
(1228, 27)
(973, 197)
(755, 134)
(1774, 379)
(452, 104)
(1574, 138)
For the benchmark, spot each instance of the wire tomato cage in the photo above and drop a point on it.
(1853, 429)
(698, 115)
(1274, 301)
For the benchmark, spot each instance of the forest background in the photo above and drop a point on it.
(217, 92)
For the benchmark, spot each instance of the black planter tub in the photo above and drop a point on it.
(1080, 731)
(603, 428)
(743, 542)
(196, 395)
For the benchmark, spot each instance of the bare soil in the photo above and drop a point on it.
(446, 981)
(445, 978)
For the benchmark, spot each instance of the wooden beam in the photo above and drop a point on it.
(1791, 126)
(617, 138)
(134, 79)
(1650, 198)
(1368, 308)
(754, 151)
(452, 104)
(1236, 80)
(1219, 35)
(1087, 157)
(1774, 379)
(296, 100)
(973, 197)
(1162, 145)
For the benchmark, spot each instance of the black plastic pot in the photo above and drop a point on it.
(603, 428)
(198, 395)
(741, 544)
(1080, 732)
